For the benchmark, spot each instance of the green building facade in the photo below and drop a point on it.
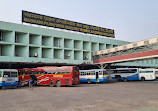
(34, 44)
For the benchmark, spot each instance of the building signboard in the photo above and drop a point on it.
(34, 18)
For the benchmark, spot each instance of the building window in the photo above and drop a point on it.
(16, 37)
(16, 51)
(1, 36)
(0, 50)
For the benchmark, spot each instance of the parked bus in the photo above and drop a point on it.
(8, 78)
(66, 75)
(126, 74)
(93, 76)
(156, 73)
(148, 74)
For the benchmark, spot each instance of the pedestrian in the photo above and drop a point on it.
(31, 84)
(35, 82)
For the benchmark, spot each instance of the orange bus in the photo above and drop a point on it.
(52, 76)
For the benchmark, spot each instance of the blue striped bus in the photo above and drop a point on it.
(8, 78)
(93, 76)
(125, 74)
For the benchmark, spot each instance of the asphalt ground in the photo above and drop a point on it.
(118, 96)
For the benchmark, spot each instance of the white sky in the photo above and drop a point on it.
(132, 20)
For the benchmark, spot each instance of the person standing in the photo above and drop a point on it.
(35, 82)
(31, 84)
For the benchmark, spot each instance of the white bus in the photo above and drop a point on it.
(126, 74)
(156, 73)
(148, 74)
(93, 76)
(8, 78)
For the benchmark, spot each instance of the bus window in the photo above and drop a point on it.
(92, 72)
(44, 73)
(126, 71)
(57, 72)
(100, 72)
(6, 74)
(104, 72)
(53, 72)
(34, 73)
(67, 72)
(146, 71)
(13, 74)
(30, 73)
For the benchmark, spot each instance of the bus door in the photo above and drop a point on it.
(1, 76)
(97, 76)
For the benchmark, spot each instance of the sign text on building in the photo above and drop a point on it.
(43, 20)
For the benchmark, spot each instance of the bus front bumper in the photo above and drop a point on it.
(8, 83)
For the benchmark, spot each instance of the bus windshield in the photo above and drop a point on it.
(6, 74)
(10, 74)
(13, 74)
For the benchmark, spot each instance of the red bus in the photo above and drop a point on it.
(52, 76)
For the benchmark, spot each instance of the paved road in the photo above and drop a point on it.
(120, 96)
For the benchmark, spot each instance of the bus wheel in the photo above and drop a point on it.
(125, 79)
(58, 84)
(88, 81)
(51, 83)
(142, 78)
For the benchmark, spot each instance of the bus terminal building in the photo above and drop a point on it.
(27, 44)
